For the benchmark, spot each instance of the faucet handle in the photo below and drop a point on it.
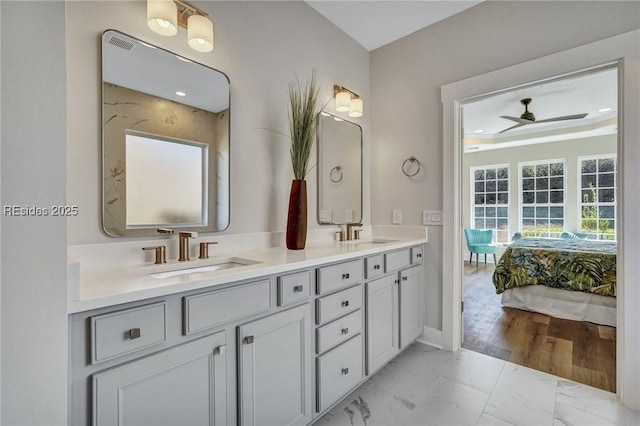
(356, 234)
(161, 256)
(204, 249)
(188, 234)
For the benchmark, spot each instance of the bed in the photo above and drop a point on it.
(565, 278)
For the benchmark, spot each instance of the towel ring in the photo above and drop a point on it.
(336, 171)
(411, 159)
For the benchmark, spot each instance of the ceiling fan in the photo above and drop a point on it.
(528, 118)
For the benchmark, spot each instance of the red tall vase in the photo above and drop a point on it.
(297, 217)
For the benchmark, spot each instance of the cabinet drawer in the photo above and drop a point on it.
(127, 331)
(416, 255)
(339, 371)
(337, 276)
(206, 310)
(293, 288)
(338, 331)
(396, 260)
(373, 266)
(339, 304)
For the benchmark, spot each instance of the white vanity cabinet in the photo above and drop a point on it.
(185, 385)
(274, 371)
(394, 314)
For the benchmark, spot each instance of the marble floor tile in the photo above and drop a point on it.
(597, 402)
(427, 386)
(523, 396)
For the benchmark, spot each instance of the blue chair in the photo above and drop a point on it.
(479, 241)
(576, 235)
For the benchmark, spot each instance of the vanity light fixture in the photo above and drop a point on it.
(164, 16)
(346, 100)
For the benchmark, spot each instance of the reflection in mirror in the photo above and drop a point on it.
(339, 170)
(165, 141)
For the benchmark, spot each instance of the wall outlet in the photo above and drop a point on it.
(325, 216)
(432, 217)
(397, 217)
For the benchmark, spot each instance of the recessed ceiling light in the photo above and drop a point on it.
(604, 110)
(181, 93)
(479, 131)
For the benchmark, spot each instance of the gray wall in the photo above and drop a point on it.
(406, 111)
(33, 173)
(261, 46)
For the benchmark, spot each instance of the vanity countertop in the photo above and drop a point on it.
(103, 287)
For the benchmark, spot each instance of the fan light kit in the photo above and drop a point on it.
(527, 117)
(164, 17)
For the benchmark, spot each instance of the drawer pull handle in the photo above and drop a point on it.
(220, 350)
(345, 303)
(396, 281)
(419, 255)
(404, 278)
(248, 340)
(345, 371)
(376, 266)
(134, 333)
(345, 276)
(297, 289)
(345, 330)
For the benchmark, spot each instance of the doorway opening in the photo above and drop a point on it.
(539, 199)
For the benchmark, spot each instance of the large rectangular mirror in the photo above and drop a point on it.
(165, 140)
(339, 170)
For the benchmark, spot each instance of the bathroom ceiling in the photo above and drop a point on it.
(376, 23)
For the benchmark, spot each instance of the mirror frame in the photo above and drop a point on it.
(117, 227)
(319, 169)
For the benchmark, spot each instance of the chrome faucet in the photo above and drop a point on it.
(350, 233)
(184, 244)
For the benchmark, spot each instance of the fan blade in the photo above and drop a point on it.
(517, 125)
(518, 120)
(566, 117)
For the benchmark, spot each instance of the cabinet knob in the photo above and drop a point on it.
(376, 267)
(419, 255)
(404, 278)
(134, 333)
(297, 289)
(345, 371)
(345, 303)
(248, 340)
(345, 330)
(396, 281)
(345, 276)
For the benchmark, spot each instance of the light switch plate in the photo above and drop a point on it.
(432, 217)
(397, 217)
(348, 215)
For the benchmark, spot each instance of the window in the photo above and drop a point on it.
(598, 196)
(490, 192)
(542, 198)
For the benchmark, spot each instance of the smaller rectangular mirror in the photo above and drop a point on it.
(339, 170)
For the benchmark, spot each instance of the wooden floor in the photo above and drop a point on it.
(579, 351)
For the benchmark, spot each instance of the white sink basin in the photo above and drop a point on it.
(216, 265)
(375, 241)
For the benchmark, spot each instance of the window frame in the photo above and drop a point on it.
(472, 193)
(579, 189)
(521, 204)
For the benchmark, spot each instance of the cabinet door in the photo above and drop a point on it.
(275, 369)
(382, 321)
(410, 313)
(185, 385)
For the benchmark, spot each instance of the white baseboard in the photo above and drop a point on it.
(431, 337)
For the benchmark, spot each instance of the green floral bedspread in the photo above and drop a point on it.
(579, 265)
